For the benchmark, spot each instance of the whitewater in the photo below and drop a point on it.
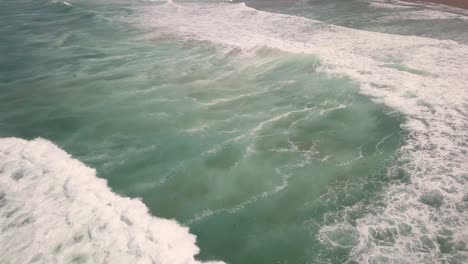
(74, 217)
(56, 209)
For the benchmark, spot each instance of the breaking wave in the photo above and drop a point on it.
(56, 209)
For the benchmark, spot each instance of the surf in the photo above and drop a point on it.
(274, 137)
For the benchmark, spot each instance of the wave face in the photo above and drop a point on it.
(55, 210)
(425, 217)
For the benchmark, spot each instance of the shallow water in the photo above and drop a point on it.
(274, 138)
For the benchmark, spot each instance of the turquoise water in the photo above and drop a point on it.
(257, 151)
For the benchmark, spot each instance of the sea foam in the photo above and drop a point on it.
(55, 208)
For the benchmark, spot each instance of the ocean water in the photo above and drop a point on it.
(230, 132)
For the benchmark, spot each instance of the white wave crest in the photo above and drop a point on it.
(54, 209)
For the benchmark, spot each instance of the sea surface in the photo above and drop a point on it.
(270, 131)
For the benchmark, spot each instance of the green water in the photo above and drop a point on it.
(254, 151)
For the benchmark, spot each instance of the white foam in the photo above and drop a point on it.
(388, 4)
(61, 2)
(434, 104)
(55, 210)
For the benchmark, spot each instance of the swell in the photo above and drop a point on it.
(424, 217)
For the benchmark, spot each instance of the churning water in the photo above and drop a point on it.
(319, 132)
